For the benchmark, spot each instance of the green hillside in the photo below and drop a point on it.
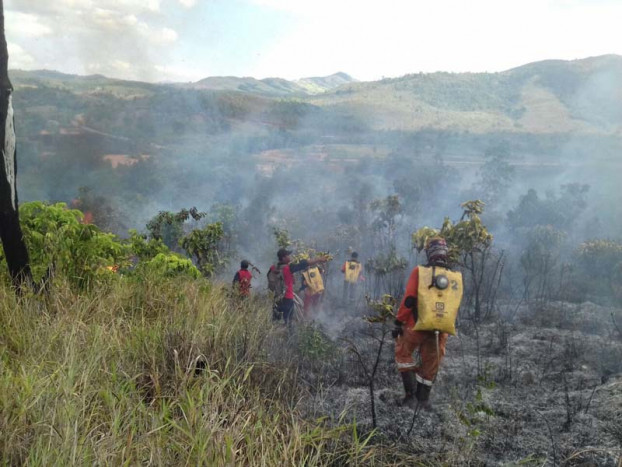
(273, 86)
(322, 84)
(552, 96)
(270, 86)
(543, 97)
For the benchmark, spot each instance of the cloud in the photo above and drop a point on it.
(297, 38)
(396, 37)
(163, 36)
(129, 36)
(26, 25)
(187, 3)
(112, 21)
(51, 8)
(19, 58)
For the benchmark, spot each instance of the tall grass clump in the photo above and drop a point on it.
(162, 371)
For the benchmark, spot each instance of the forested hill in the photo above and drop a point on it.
(543, 97)
(553, 96)
(274, 86)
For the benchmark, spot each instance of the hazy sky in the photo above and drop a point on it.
(186, 40)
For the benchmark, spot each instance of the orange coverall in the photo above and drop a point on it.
(424, 341)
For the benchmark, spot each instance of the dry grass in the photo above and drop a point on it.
(111, 378)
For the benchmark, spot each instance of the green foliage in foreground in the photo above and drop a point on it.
(203, 246)
(61, 245)
(58, 242)
(169, 265)
(109, 378)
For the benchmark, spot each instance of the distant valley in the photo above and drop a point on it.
(126, 138)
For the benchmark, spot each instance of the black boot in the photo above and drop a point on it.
(423, 395)
(408, 378)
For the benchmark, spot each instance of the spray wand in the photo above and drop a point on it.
(254, 267)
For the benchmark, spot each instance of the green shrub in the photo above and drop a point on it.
(314, 345)
(60, 243)
(204, 246)
(169, 265)
(146, 249)
(62, 247)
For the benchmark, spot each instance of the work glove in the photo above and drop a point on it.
(397, 330)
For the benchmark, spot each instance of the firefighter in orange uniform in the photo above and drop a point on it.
(418, 380)
(313, 289)
(352, 270)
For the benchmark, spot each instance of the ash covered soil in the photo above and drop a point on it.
(536, 385)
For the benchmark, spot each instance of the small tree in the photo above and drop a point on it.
(560, 211)
(169, 226)
(386, 268)
(154, 258)
(386, 273)
(282, 237)
(378, 330)
(496, 175)
(387, 214)
(203, 246)
(469, 244)
(539, 259)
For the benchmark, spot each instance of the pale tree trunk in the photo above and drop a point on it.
(13, 243)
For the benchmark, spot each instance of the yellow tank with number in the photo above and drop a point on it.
(353, 271)
(314, 280)
(437, 307)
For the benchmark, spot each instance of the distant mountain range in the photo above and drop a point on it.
(274, 86)
(552, 96)
(267, 86)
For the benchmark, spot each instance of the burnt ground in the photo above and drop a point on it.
(541, 385)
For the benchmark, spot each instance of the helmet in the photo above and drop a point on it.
(244, 264)
(436, 248)
(282, 253)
